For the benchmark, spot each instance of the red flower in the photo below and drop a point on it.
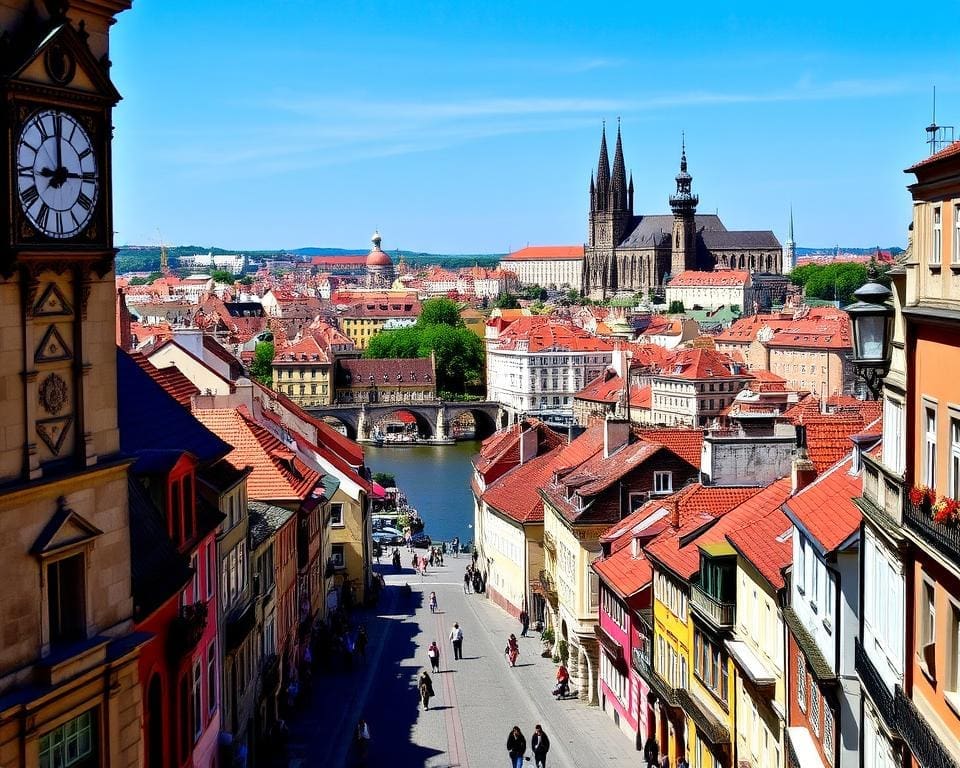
(918, 494)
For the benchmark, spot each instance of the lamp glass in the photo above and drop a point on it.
(870, 332)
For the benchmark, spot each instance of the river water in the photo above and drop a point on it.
(436, 480)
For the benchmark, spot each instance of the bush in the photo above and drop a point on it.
(547, 635)
(676, 307)
(564, 651)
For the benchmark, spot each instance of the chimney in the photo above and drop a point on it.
(124, 334)
(191, 339)
(528, 444)
(616, 434)
(674, 510)
(802, 470)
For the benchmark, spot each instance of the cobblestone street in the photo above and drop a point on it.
(478, 699)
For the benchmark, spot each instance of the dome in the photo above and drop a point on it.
(376, 257)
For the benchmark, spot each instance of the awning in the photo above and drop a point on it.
(752, 666)
(378, 491)
(330, 486)
(801, 751)
(611, 647)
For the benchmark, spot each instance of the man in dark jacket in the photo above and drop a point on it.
(540, 745)
(651, 752)
(516, 747)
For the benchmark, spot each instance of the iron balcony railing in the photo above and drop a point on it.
(874, 685)
(926, 747)
(657, 684)
(945, 537)
(722, 615)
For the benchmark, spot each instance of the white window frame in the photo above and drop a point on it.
(936, 254)
(196, 699)
(929, 443)
(663, 481)
(894, 445)
(954, 488)
(815, 709)
(336, 520)
(801, 682)
(952, 687)
(338, 556)
(828, 733)
(955, 255)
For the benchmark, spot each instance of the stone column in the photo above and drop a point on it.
(441, 428)
(363, 425)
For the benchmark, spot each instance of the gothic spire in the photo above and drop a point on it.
(593, 194)
(603, 172)
(618, 182)
(790, 231)
(683, 200)
(630, 195)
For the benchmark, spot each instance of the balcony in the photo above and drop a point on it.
(874, 685)
(944, 537)
(721, 615)
(186, 629)
(926, 747)
(657, 684)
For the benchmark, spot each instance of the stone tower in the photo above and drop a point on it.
(683, 203)
(611, 198)
(790, 251)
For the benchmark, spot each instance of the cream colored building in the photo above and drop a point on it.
(711, 290)
(68, 656)
(556, 266)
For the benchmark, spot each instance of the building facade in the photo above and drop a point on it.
(549, 266)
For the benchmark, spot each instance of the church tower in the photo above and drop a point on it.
(611, 198)
(683, 203)
(790, 252)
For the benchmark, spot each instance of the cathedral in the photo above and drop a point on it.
(640, 253)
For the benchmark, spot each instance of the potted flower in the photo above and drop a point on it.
(547, 638)
(922, 497)
(945, 510)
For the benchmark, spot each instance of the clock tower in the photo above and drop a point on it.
(70, 663)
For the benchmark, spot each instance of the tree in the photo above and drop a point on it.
(246, 280)
(440, 312)
(836, 281)
(223, 276)
(506, 301)
(262, 366)
(386, 479)
(676, 307)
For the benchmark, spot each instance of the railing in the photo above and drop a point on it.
(641, 662)
(927, 749)
(186, 629)
(874, 685)
(721, 614)
(944, 537)
(657, 684)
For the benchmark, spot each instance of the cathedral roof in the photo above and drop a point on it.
(746, 238)
(653, 230)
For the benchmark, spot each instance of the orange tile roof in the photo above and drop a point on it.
(828, 437)
(606, 388)
(534, 252)
(624, 573)
(825, 509)
(720, 277)
(641, 397)
(278, 475)
(698, 506)
(501, 451)
(306, 350)
(702, 364)
(686, 443)
(176, 384)
(513, 494)
(948, 151)
(542, 333)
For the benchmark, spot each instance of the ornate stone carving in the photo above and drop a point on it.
(53, 393)
(54, 431)
(52, 347)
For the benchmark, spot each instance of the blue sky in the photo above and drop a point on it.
(473, 127)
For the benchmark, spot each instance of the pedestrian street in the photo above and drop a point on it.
(477, 700)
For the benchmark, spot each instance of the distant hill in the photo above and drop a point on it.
(894, 250)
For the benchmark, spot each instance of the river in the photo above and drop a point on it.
(436, 480)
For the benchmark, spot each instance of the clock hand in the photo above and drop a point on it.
(57, 128)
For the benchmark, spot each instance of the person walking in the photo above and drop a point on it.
(516, 747)
(456, 636)
(360, 644)
(512, 650)
(361, 737)
(425, 687)
(466, 582)
(651, 752)
(456, 547)
(540, 745)
(433, 602)
(433, 653)
(524, 622)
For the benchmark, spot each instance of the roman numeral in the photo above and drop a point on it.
(43, 215)
(59, 221)
(43, 130)
(89, 176)
(85, 152)
(25, 170)
(73, 216)
(85, 202)
(29, 195)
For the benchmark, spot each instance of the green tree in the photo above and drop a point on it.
(246, 280)
(440, 312)
(262, 366)
(506, 301)
(676, 307)
(386, 479)
(223, 276)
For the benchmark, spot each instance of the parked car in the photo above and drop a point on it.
(387, 539)
(390, 530)
(421, 540)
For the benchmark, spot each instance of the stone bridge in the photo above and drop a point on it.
(434, 417)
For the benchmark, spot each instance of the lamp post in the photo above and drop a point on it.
(871, 320)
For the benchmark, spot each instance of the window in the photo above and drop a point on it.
(828, 733)
(72, 744)
(828, 598)
(336, 514)
(801, 568)
(211, 566)
(953, 653)
(196, 704)
(663, 482)
(195, 565)
(936, 256)
(894, 446)
(710, 665)
(65, 600)
(212, 677)
(930, 446)
(801, 683)
(954, 489)
(815, 709)
(928, 627)
(336, 556)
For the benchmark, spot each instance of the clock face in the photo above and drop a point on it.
(57, 178)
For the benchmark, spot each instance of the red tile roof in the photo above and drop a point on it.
(686, 443)
(541, 333)
(513, 494)
(721, 277)
(277, 475)
(641, 397)
(552, 252)
(698, 506)
(606, 388)
(501, 451)
(623, 572)
(306, 350)
(176, 384)
(828, 437)
(703, 364)
(948, 151)
(825, 508)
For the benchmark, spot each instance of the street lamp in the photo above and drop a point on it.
(871, 320)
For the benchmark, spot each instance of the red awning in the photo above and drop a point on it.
(378, 491)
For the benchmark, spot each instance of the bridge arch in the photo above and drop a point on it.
(426, 424)
(346, 418)
(485, 422)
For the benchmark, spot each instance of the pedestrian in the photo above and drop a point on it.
(433, 556)
(477, 584)
(425, 687)
(361, 738)
(361, 643)
(433, 602)
(466, 582)
(651, 752)
(682, 763)
(476, 555)
(456, 546)
(516, 747)
(440, 555)
(563, 686)
(416, 560)
(524, 622)
(433, 653)
(396, 561)
(512, 650)
(540, 745)
(456, 635)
